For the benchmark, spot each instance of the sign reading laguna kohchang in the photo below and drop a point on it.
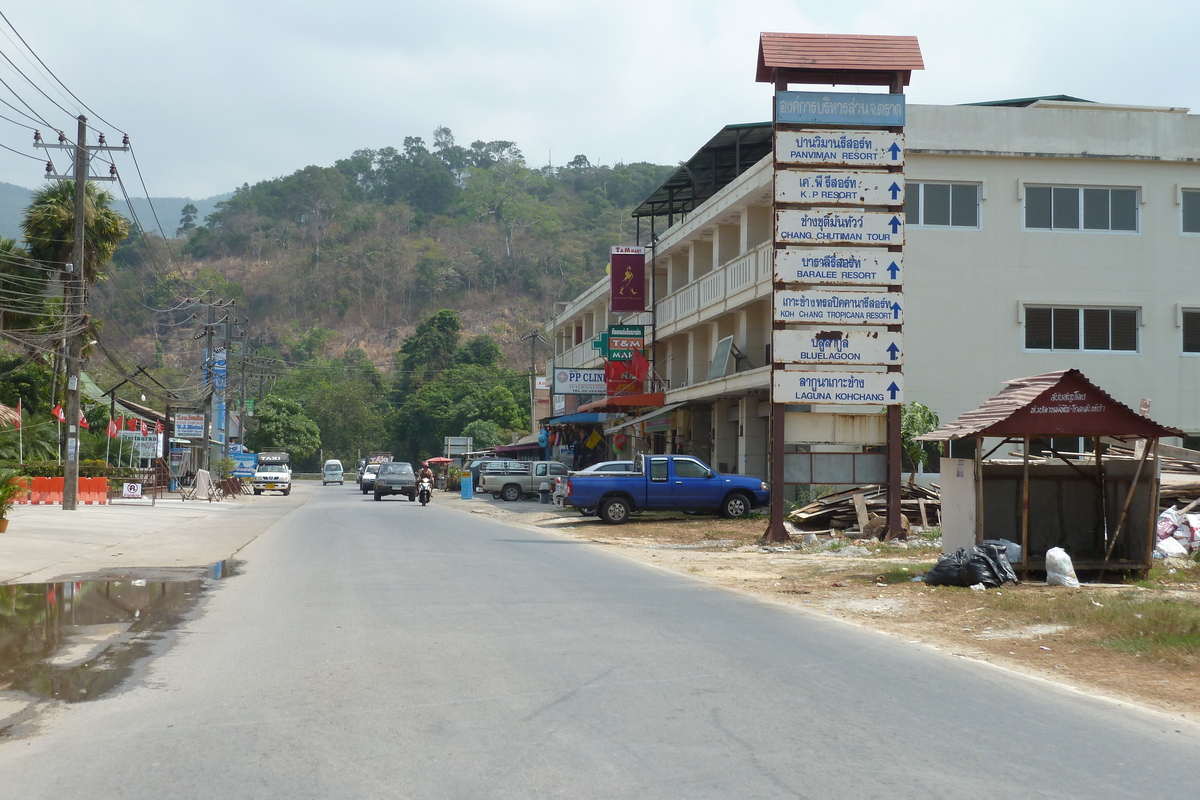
(579, 381)
(854, 388)
(838, 266)
(835, 148)
(839, 187)
(827, 226)
(839, 108)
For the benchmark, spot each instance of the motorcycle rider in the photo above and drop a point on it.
(426, 472)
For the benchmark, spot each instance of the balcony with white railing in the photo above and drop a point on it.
(742, 273)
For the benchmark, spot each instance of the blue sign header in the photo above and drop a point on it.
(839, 108)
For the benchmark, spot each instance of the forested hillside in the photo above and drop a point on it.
(366, 247)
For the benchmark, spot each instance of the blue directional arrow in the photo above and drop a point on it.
(893, 270)
(894, 223)
(893, 350)
(895, 151)
(895, 311)
(893, 389)
(894, 189)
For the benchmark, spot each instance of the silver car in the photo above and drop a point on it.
(396, 477)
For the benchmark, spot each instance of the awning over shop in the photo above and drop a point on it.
(625, 402)
(580, 418)
(656, 413)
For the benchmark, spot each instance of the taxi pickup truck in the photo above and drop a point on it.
(662, 483)
(273, 474)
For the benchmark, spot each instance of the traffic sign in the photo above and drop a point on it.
(845, 347)
(845, 266)
(844, 307)
(840, 187)
(851, 388)
(831, 226)
(839, 108)
(851, 148)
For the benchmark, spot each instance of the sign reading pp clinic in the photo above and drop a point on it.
(579, 381)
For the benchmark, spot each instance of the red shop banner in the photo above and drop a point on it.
(627, 288)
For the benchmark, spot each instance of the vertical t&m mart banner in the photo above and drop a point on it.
(627, 289)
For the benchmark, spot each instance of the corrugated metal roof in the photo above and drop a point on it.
(1032, 406)
(732, 151)
(811, 57)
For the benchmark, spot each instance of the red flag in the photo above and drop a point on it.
(57, 411)
(112, 428)
(121, 422)
(639, 366)
(158, 428)
(17, 424)
(132, 423)
(83, 423)
(145, 430)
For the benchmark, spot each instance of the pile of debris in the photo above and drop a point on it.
(853, 508)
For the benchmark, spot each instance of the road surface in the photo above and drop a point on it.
(382, 649)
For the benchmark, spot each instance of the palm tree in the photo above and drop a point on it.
(49, 226)
(22, 283)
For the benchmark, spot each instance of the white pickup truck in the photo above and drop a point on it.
(273, 474)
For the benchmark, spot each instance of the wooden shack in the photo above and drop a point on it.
(1101, 511)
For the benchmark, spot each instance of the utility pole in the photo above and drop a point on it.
(208, 382)
(75, 293)
(534, 337)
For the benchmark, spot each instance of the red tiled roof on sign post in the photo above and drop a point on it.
(836, 58)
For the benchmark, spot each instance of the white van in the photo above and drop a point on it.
(331, 472)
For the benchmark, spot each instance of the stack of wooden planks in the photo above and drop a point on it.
(837, 511)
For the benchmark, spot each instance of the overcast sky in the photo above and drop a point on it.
(220, 93)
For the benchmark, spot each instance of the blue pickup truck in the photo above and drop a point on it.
(681, 483)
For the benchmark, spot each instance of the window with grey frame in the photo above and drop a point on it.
(1081, 208)
(1097, 330)
(931, 204)
(1190, 202)
(1191, 330)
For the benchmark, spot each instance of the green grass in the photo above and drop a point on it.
(1130, 622)
(903, 574)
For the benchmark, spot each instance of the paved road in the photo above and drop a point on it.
(381, 649)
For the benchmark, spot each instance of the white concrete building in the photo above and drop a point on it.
(1042, 234)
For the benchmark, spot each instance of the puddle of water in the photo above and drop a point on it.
(77, 640)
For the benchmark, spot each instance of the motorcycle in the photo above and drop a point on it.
(425, 491)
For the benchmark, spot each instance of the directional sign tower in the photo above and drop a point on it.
(837, 335)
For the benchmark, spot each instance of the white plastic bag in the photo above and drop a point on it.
(1170, 547)
(1168, 521)
(1059, 569)
(1193, 522)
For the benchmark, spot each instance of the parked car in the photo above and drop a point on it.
(332, 472)
(513, 480)
(610, 466)
(366, 480)
(684, 483)
(395, 477)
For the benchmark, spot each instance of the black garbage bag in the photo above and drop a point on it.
(989, 565)
(950, 570)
